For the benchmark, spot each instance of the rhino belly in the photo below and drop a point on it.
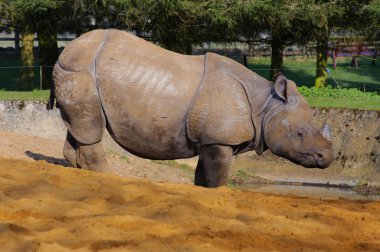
(146, 92)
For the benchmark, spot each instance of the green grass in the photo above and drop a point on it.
(299, 69)
(302, 71)
(173, 163)
(10, 72)
(328, 102)
(242, 174)
(123, 157)
(340, 98)
(367, 102)
(347, 80)
(35, 95)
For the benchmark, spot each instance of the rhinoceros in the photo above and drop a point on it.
(158, 104)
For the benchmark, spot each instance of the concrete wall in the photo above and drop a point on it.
(33, 118)
(356, 137)
(356, 144)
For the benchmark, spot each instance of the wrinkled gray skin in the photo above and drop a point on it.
(161, 105)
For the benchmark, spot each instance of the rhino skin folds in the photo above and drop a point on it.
(158, 104)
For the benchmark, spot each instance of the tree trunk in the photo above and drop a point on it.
(322, 50)
(27, 61)
(175, 42)
(277, 60)
(183, 47)
(189, 48)
(17, 42)
(48, 55)
(321, 74)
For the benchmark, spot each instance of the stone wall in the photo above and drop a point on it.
(356, 144)
(33, 118)
(356, 135)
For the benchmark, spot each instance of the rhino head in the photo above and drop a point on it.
(289, 131)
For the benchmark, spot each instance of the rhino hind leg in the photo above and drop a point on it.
(86, 156)
(81, 110)
(213, 166)
(92, 157)
(70, 150)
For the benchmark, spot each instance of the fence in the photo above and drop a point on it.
(300, 69)
(10, 78)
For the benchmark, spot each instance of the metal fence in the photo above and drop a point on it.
(301, 69)
(10, 77)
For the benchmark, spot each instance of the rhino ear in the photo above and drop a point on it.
(280, 86)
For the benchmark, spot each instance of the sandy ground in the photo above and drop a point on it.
(47, 207)
(26, 147)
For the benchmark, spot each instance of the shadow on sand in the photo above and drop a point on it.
(52, 160)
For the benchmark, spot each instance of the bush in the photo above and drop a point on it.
(329, 91)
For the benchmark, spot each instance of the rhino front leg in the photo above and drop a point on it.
(213, 166)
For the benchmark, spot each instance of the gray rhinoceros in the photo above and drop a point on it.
(159, 104)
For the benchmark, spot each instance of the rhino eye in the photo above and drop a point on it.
(300, 133)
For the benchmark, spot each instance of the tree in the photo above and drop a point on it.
(30, 17)
(321, 31)
(280, 22)
(20, 19)
(49, 15)
(95, 14)
(346, 15)
(171, 23)
(370, 16)
(178, 24)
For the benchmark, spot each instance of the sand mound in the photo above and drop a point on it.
(45, 207)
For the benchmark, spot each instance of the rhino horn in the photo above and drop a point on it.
(326, 132)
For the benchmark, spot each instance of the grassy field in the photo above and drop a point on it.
(340, 98)
(35, 95)
(370, 102)
(10, 69)
(300, 69)
(329, 102)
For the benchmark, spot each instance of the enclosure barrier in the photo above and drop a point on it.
(302, 70)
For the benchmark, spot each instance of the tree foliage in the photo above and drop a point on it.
(370, 16)
(179, 24)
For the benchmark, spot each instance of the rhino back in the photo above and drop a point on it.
(146, 92)
(80, 54)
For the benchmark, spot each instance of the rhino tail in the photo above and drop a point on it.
(52, 99)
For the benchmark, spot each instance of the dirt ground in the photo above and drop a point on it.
(47, 207)
(26, 147)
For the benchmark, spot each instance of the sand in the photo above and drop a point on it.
(47, 207)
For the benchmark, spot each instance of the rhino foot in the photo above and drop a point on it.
(86, 156)
(213, 166)
(70, 150)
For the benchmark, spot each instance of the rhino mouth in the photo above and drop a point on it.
(309, 160)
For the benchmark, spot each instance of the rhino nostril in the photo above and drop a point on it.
(319, 156)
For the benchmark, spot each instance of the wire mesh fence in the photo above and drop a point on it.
(10, 77)
(301, 69)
